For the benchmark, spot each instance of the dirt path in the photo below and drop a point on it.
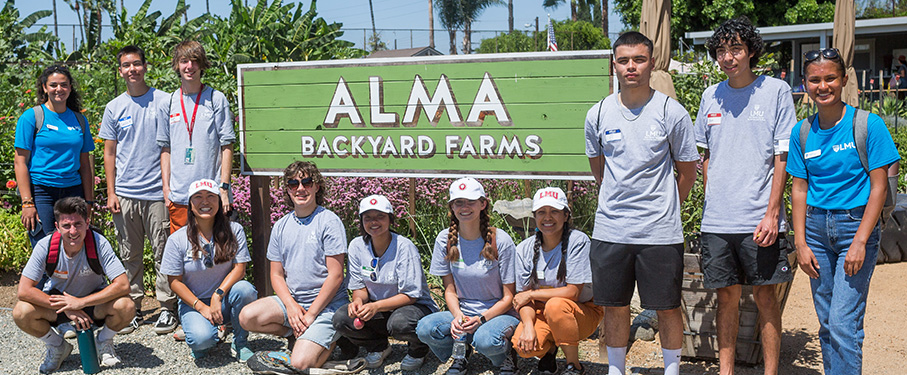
(884, 348)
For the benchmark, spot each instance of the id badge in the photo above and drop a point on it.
(190, 156)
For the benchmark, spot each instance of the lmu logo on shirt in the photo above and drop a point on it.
(756, 114)
(843, 146)
(655, 133)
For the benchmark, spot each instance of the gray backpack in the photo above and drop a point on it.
(39, 119)
(860, 133)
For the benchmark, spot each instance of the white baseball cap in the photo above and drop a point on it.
(549, 196)
(204, 184)
(467, 188)
(375, 202)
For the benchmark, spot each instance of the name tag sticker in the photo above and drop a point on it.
(125, 123)
(713, 119)
(61, 274)
(540, 274)
(812, 154)
(613, 135)
(174, 118)
(52, 127)
(458, 264)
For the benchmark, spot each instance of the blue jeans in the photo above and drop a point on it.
(840, 299)
(45, 198)
(491, 339)
(201, 334)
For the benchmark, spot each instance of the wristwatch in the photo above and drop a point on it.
(482, 319)
(219, 292)
(225, 185)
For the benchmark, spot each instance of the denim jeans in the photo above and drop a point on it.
(399, 323)
(491, 339)
(45, 198)
(840, 300)
(201, 334)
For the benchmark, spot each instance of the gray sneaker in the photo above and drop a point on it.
(54, 357)
(166, 323)
(67, 331)
(410, 363)
(376, 359)
(106, 354)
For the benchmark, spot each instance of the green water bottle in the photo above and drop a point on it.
(88, 352)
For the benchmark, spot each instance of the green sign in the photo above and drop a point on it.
(516, 115)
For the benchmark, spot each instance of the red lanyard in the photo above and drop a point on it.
(190, 125)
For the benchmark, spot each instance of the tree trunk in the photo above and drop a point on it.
(56, 25)
(605, 17)
(510, 16)
(453, 41)
(573, 10)
(207, 7)
(431, 24)
(371, 9)
(467, 37)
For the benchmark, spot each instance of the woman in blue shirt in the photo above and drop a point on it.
(836, 207)
(52, 160)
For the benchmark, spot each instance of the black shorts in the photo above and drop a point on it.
(732, 259)
(657, 270)
(89, 310)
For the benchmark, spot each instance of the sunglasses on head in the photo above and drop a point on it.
(305, 182)
(828, 53)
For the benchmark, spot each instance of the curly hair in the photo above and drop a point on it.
(309, 169)
(733, 29)
(74, 101)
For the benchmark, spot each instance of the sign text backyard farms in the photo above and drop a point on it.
(508, 115)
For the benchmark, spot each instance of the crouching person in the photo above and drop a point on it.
(205, 262)
(76, 260)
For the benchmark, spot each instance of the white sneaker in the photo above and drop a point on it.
(410, 363)
(67, 330)
(54, 357)
(106, 354)
(376, 359)
(166, 323)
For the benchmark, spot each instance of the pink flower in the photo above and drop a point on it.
(21, 104)
(97, 180)
(28, 91)
(11, 184)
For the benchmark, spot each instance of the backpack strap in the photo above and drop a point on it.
(91, 253)
(39, 119)
(860, 133)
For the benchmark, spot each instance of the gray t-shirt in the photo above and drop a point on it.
(213, 129)
(638, 202)
(579, 270)
(301, 246)
(74, 275)
(743, 129)
(132, 122)
(399, 271)
(479, 281)
(177, 261)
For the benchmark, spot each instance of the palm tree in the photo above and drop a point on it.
(472, 9)
(579, 9)
(510, 16)
(450, 14)
(375, 38)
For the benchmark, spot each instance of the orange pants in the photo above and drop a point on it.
(178, 216)
(561, 322)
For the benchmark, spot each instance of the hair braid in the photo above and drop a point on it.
(565, 243)
(536, 251)
(490, 250)
(453, 252)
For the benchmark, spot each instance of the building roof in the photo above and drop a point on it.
(407, 52)
(816, 30)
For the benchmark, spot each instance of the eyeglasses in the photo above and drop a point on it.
(373, 276)
(828, 53)
(293, 184)
(209, 248)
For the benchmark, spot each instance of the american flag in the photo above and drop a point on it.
(552, 43)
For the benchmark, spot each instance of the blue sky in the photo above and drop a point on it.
(354, 14)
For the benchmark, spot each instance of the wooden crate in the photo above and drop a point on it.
(700, 306)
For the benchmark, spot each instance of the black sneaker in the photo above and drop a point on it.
(509, 366)
(572, 370)
(348, 350)
(458, 367)
(548, 363)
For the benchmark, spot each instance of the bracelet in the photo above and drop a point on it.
(28, 201)
(27, 205)
(90, 203)
(196, 301)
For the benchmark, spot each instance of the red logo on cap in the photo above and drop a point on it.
(373, 201)
(552, 194)
(462, 186)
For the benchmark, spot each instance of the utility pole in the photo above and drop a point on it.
(510, 16)
(56, 26)
(431, 24)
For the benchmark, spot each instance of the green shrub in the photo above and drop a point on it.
(14, 246)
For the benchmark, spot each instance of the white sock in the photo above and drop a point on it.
(106, 334)
(617, 360)
(672, 361)
(52, 338)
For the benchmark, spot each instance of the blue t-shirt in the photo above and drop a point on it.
(831, 163)
(56, 149)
